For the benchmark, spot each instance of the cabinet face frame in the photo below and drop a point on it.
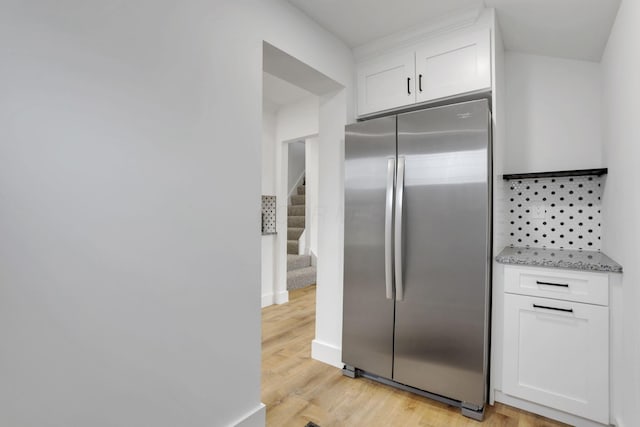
(557, 358)
(456, 65)
(386, 83)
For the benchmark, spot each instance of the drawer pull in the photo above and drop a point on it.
(563, 285)
(566, 310)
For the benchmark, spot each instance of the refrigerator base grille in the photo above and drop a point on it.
(468, 410)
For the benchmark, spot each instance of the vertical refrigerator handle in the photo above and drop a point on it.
(398, 229)
(388, 230)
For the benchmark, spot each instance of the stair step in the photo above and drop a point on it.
(296, 210)
(296, 262)
(292, 247)
(295, 221)
(301, 278)
(297, 200)
(302, 190)
(294, 233)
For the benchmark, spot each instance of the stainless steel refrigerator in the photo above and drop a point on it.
(417, 252)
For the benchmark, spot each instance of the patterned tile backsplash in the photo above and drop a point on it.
(268, 214)
(561, 213)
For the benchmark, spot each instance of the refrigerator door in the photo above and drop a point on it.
(367, 335)
(441, 318)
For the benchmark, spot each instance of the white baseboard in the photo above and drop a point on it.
(492, 396)
(256, 418)
(314, 259)
(545, 411)
(267, 300)
(326, 353)
(618, 423)
(281, 297)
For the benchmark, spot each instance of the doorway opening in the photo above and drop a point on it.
(290, 125)
(301, 257)
(304, 111)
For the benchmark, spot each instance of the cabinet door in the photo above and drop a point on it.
(556, 353)
(386, 83)
(454, 66)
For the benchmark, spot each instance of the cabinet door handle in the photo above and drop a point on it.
(564, 285)
(566, 310)
(420, 82)
(409, 85)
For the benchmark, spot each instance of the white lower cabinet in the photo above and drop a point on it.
(556, 353)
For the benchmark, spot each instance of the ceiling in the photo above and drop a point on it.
(576, 29)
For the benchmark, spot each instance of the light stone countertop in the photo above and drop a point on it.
(559, 258)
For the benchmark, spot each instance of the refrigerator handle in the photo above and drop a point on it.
(398, 229)
(388, 229)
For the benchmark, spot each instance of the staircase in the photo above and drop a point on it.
(300, 272)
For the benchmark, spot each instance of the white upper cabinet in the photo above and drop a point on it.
(455, 66)
(386, 83)
(447, 66)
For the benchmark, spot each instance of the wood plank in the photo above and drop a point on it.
(298, 389)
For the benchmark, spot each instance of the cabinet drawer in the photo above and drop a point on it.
(556, 353)
(591, 288)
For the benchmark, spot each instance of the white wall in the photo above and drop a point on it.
(499, 116)
(269, 122)
(327, 345)
(289, 122)
(334, 60)
(621, 210)
(125, 255)
(268, 269)
(268, 188)
(554, 114)
(294, 122)
(296, 164)
(312, 182)
(298, 119)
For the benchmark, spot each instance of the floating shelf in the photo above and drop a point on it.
(578, 172)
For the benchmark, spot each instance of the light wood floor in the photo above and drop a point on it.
(298, 389)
